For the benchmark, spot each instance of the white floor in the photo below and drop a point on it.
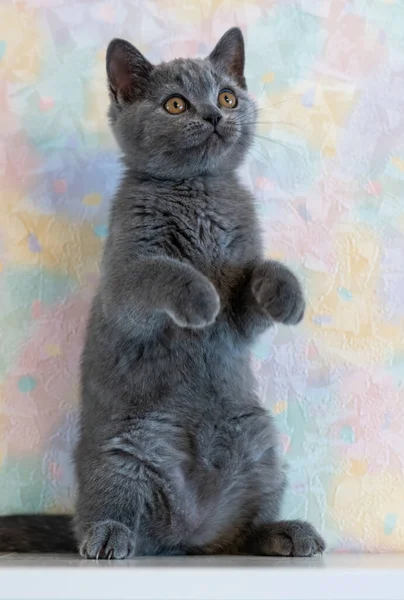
(334, 576)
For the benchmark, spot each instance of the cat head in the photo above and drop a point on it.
(183, 118)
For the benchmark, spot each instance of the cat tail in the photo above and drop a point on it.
(37, 534)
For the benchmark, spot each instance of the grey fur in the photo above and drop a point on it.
(176, 454)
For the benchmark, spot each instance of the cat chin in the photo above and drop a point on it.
(217, 144)
(215, 140)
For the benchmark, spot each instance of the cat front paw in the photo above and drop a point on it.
(195, 304)
(107, 540)
(291, 538)
(278, 291)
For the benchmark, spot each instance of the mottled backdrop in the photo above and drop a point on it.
(328, 174)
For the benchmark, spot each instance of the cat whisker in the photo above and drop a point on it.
(262, 91)
(260, 109)
(256, 136)
(268, 139)
(281, 102)
(266, 158)
(294, 125)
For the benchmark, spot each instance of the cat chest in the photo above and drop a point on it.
(204, 242)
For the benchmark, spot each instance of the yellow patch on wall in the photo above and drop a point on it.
(357, 467)
(370, 507)
(268, 77)
(320, 123)
(23, 42)
(328, 150)
(279, 407)
(92, 199)
(97, 102)
(64, 246)
(398, 162)
(275, 255)
(355, 329)
(339, 103)
(53, 350)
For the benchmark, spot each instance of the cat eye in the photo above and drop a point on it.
(227, 99)
(175, 105)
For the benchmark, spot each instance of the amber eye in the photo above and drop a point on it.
(227, 99)
(176, 105)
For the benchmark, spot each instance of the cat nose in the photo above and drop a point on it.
(213, 118)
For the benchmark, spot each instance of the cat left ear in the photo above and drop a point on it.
(128, 71)
(228, 55)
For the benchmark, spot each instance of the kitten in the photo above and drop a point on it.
(176, 455)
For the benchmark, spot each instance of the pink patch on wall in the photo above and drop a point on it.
(21, 163)
(34, 414)
(36, 309)
(374, 188)
(60, 186)
(46, 103)
(106, 13)
(352, 49)
(265, 184)
(294, 237)
(284, 443)
(183, 48)
(55, 471)
(376, 409)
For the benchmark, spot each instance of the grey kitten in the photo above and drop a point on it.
(176, 455)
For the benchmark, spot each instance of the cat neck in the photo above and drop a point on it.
(179, 175)
(195, 181)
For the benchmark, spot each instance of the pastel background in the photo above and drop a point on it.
(328, 174)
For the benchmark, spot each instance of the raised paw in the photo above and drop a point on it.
(107, 540)
(278, 292)
(195, 304)
(290, 538)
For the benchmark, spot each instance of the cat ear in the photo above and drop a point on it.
(128, 71)
(228, 55)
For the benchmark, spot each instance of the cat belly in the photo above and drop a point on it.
(189, 487)
(233, 466)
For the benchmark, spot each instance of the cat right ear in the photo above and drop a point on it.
(128, 71)
(228, 55)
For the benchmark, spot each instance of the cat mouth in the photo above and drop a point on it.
(212, 140)
(214, 137)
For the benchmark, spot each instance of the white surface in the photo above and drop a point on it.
(336, 577)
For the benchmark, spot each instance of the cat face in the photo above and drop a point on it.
(183, 118)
